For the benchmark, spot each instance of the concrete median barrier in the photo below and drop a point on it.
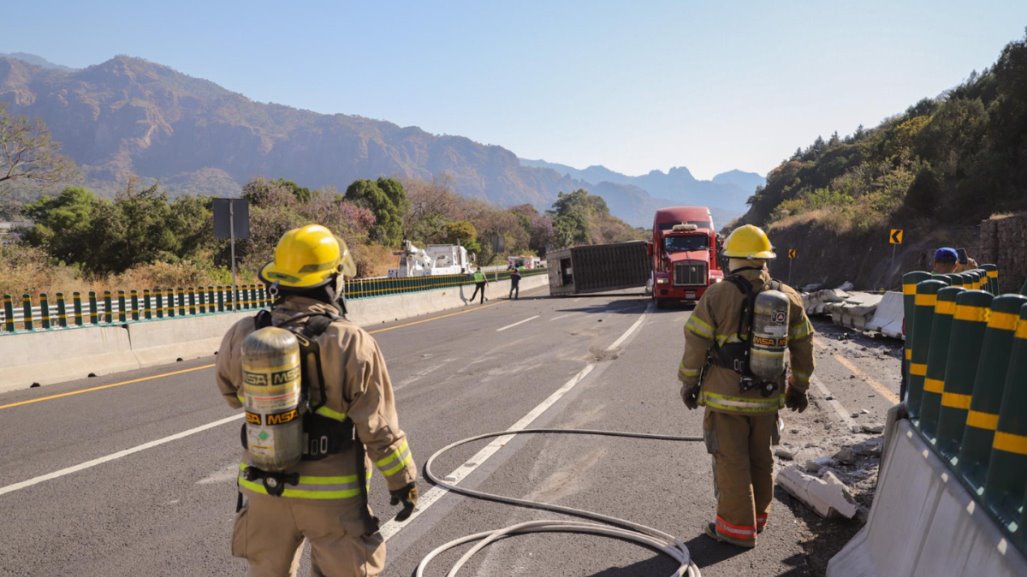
(53, 356)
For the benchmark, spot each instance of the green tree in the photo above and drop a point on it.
(463, 233)
(387, 200)
(63, 226)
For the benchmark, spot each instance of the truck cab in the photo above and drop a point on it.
(683, 254)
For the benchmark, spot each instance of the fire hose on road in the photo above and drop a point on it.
(608, 526)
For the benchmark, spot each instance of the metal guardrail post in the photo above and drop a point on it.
(147, 311)
(76, 303)
(135, 304)
(1005, 489)
(44, 310)
(26, 306)
(108, 308)
(192, 301)
(122, 313)
(981, 418)
(221, 300)
(923, 315)
(956, 279)
(94, 317)
(62, 311)
(201, 300)
(8, 313)
(181, 301)
(159, 302)
(169, 302)
(938, 351)
(968, 327)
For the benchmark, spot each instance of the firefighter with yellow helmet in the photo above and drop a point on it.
(320, 412)
(735, 365)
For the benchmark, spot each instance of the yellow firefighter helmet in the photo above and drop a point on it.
(308, 257)
(748, 242)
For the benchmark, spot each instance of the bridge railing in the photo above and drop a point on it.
(61, 311)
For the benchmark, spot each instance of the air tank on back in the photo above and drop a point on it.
(272, 396)
(769, 335)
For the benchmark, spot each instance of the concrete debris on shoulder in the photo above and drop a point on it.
(826, 495)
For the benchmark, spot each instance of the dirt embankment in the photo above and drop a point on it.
(865, 259)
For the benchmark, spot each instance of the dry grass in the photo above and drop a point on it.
(26, 270)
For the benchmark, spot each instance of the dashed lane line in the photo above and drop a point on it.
(392, 527)
(499, 330)
(115, 456)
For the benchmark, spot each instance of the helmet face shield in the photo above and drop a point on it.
(347, 266)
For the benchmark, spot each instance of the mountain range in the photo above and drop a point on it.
(130, 117)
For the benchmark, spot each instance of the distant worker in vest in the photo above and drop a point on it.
(734, 364)
(515, 281)
(320, 410)
(480, 280)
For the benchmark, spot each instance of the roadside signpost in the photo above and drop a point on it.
(232, 221)
(792, 254)
(895, 239)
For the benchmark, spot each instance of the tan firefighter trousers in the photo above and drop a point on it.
(269, 531)
(743, 470)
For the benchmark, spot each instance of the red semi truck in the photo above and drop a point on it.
(684, 254)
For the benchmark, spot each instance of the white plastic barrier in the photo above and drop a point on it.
(924, 523)
(887, 319)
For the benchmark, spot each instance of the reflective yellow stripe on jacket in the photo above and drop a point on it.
(313, 487)
(747, 405)
(396, 461)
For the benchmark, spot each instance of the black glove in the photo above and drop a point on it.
(690, 394)
(796, 400)
(408, 496)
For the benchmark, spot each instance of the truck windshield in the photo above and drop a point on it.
(683, 243)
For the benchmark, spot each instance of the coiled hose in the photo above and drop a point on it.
(607, 526)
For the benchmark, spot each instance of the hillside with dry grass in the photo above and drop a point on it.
(935, 171)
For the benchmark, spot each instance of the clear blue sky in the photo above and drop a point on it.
(635, 86)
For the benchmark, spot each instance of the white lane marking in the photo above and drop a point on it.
(632, 328)
(835, 404)
(562, 317)
(392, 527)
(115, 456)
(517, 323)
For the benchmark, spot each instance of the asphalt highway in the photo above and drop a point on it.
(134, 474)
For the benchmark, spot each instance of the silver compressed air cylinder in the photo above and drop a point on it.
(272, 394)
(769, 335)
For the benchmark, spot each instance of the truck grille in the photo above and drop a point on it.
(691, 273)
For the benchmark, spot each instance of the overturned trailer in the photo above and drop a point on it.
(598, 268)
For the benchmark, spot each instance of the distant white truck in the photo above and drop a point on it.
(525, 262)
(434, 259)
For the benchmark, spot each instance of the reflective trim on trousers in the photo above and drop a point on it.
(744, 532)
(748, 405)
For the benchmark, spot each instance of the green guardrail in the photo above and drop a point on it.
(967, 391)
(164, 303)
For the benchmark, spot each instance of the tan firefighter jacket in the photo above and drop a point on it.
(357, 385)
(716, 318)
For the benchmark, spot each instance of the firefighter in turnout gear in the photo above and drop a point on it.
(349, 421)
(734, 339)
